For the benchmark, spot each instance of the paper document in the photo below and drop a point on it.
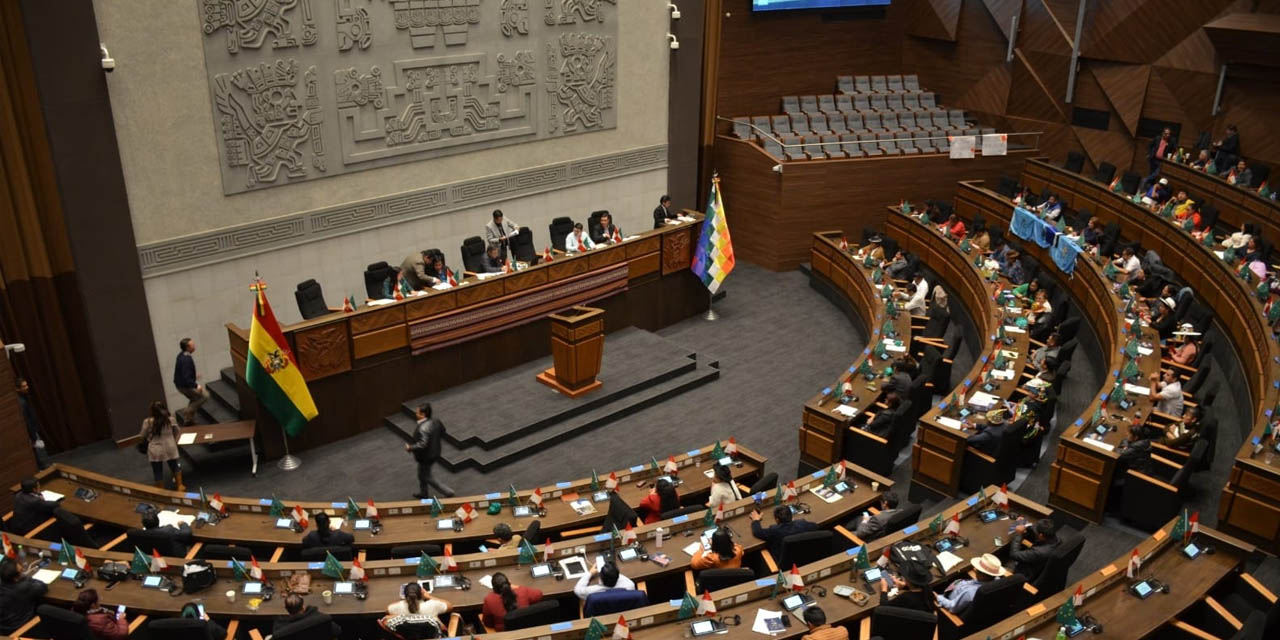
(1133, 388)
(949, 422)
(173, 518)
(983, 400)
(1220, 254)
(767, 622)
(1037, 383)
(693, 548)
(1002, 374)
(379, 303)
(443, 286)
(892, 345)
(46, 576)
(186, 438)
(51, 496)
(1100, 444)
(1010, 328)
(1144, 351)
(949, 560)
(486, 581)
(846, 410)
(1008, 354)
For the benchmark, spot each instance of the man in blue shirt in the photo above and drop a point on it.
(187, 382)
(957, 597)
(785, 526)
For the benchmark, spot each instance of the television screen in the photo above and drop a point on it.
(786, 5)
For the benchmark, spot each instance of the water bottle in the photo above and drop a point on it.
(22, 555)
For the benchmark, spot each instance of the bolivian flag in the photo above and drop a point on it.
(272, 372)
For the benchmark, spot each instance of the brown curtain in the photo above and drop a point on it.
(40, 304)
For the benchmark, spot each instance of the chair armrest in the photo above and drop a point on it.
(88, 526)
(864, 629)
(1026, 586)
(1257, 586)
(470, 273)
(881, 405)
(951, 617)
(1223, 613)
(1170, 452)
(867, 434)
(948, 361)
(254, 634)
(1155, 482)
(1035, 342)
(120, 538)
(689, 585)
(744, 489)
(1166, 462)
(642, 586)
(573, 533)
(191, 553)
(492, 541)
(31, 624)
(275, 555)
(137, 622)
(980, 455)
(1164, 416)
(1166, 362)
(918, 317)
(232, 628)
(6, 516)
(36, 531)
(768, 561)
(1194, 632)
(455, 619)
(849, 534)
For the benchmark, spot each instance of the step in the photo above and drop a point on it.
(455, 458)
(225, 394)
(213, 412)
(228, 375)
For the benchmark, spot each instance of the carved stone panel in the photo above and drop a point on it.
(303, 89)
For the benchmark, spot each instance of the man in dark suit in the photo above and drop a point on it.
(987, 439)
(873, 526)
(299, 611)
(663, 212)
(1160, 147)
(19, 596)
(29, 507)
(187, 382)
(32, 421)
(1227, 150)
(603, 232)
(426, 450)
(785, 526)
(882, 424)
(323, 536)
(178, 538)
(1030, 561)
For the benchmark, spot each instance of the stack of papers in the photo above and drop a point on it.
(1010, 328)
(1002, 374)
(768, 622)
(46, 576)
(846, 410)
(379, 303)
(173, 519)
(949, 422)
(949, 560)
(51, 496)
(982, 400)
(1100, 444)
(1135, 389)
(892, 345)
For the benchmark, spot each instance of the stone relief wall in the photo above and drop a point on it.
(303, 89)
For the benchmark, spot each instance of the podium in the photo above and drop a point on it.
(577, 347)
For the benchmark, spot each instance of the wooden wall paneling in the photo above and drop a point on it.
(1115, 147)
(17, 458)
(1040, 84)
(1246, 38)
(1041, 29)
(934, 19)
(1194, 53)
(1252, 106)
(1143, 30)
(1194, 92)
(1002, 11)
(969, 73)
(1125, 86)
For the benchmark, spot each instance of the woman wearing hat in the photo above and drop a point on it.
(912, 588)
(872, 249)
(959, 594)
(987, 440)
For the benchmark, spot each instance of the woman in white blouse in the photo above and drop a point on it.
(723, 489)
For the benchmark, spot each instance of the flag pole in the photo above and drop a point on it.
(711, 312)
(289, 462)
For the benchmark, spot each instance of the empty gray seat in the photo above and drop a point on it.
(849, 145)
(790, 104)
(862, 84)
(906, 145)
(861, 104)
(844, 84)
(926, 100)
(878, 103)
(845, 104)
(809, 104)
(972, 132)
(867, 144)
(890, 122)
(781, 124)
(853, 122)
(955, 132)
(879, 85)
(986, 131)
(831, 146)
(911, 102)
(835, 122)
(957, 118)
(871, 122)
(894, 83)
(818, 123)
(793, 148)
(924, 121)
(887, 145)
(813, 148)
(941, 143)
(894, 102)
(907, 121)
(742, 128)
(827, 104)
(939, 120)
(774, 149)
(762, 122)
(911, 83)
(923, 142)
(799, 123)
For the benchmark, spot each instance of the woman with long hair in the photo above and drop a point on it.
(723, 489)
(506, 598)
(661, 499)
(160, 433)
(104, 624)
(724, 553)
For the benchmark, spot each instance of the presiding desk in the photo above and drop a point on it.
(360, 366)
(1123, 615)
(661, 620)
(1250, 503)
(403, 522)
(387, 576)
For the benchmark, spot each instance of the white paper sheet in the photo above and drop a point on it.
(1002, 374)
(1100, 444)
(1135, 389)
(379, 303)
(47, 576)
(761, 624)
(949, 560)
(186, 438)
(983, 400)
(51, 496)
(1009, 328)
(486, 581)
(846, 410)
(173, 518)
(949, 422)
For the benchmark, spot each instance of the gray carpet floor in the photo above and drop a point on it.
(778, 341)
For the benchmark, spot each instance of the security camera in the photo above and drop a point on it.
(108, 63)
(675, 11)
(675, 44)
(777, 168)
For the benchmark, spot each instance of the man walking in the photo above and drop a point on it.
(33, 422)
(426, 450)
(187, 382)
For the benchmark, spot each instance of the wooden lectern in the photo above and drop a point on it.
(577, 347)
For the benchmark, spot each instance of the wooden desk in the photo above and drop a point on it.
(403, 522)
(1106, 590)
(226, 432)
(386, 576)
(1236, 206)
(360, 366)
(1250, 503)
(660, 620)
(823, 430)
(1081, 474)
(938, 455)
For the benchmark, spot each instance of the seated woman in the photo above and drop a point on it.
(954, 226)
(981, 240)
(416, 607)
(1186, 352)
(1092, 235)
(504, 599)
(724, 553)
(661, 499)
(104, 624)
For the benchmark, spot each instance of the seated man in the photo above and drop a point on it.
(897, 269)
(1202, 161)
(606, 232)
(1241, 175)
(19, 596)
(784, 527)
(323, 536)
(872, 249)
(609, 576)
(1127, 263)
(664, 213)
(958, 595)
(915, 301)
(492, 261)
(179, 538)
(29, 507)
(499, 231)
(870, 526)
(815, 619)
(1013, 269)
(415, 271)
(987, 439)
(577, 241)
(1052, 345)
(882, 424)
(1029, 562)
(1166, 390)
(1092, 235)
(506, 538)
(297, 612)
(1159, 192)
(1050, 209)
(1181, 435)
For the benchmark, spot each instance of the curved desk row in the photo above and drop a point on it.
(1250, 503)
(940, 451)
(1080, 476)
(387, 576)
(1236, 206)
(404, 522)
(361, 365)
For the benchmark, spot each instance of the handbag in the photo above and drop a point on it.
(144, 442)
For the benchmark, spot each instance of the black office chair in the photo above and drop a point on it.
(717, 579)
(180, 629)
(803, 548)
(1152, 497)
(522, 247)
(766, 482)
(1007, 187)
(907, 514)
(533, 533)
(1075, 162)
(994, 601)
(602, 603)
(377, 278)
(1053, 578)
(1106, 171)
(902, 624)
(70, 527)
(1129, 182)
(1255, 627)
(684, 511)
(415, 550)
(312, 627)
(149, 539)
(534, 615)
(620, 514)
(559, 229)
(318, 554)
(63, 624)
(224, 552)
(473, 250)
(310, 299)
